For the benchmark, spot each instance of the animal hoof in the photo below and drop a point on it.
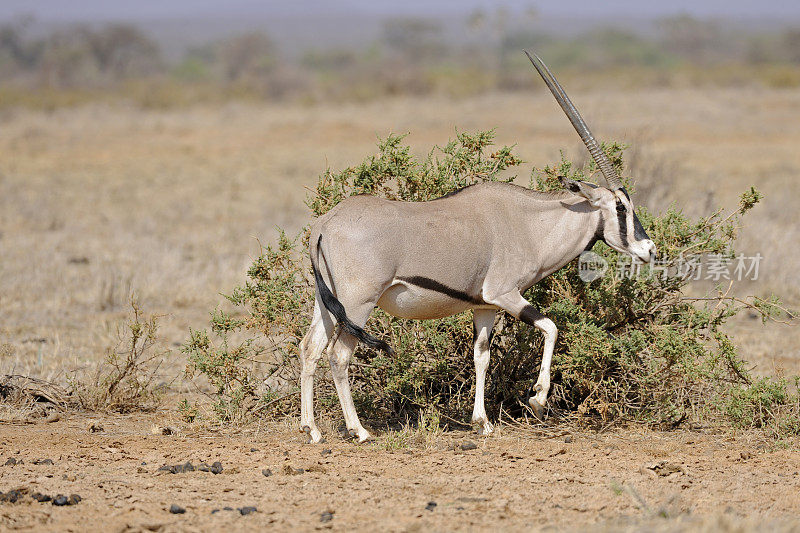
(538, 409)
(482, 426)
(359, 435)
(314, 435)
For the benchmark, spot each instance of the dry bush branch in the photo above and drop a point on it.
(125, 380)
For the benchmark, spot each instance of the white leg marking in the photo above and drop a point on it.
(311, 348)
(339, 355)
(483, 320)
(542, 388)
(514, 303)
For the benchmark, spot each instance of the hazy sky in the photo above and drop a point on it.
(76, 10)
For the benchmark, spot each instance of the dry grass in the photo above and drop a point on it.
(99, 201)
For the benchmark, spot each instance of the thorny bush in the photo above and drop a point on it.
(629, 348)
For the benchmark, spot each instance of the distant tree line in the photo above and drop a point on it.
(412, 55)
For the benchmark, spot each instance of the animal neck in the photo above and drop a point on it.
(560, 232)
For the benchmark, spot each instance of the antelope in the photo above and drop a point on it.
(478, 248)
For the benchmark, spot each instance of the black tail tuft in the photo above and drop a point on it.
(336, 308)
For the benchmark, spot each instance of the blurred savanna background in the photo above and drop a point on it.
(152, 149)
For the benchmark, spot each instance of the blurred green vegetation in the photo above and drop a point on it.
(80, 63)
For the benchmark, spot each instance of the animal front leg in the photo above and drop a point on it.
(519, 307)
(542, 387)
(483, 321)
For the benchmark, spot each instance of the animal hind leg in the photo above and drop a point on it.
(483, 320)
(311, 348)
(339, 355)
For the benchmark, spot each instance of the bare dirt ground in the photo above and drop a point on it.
(517, 480)
(101, 201)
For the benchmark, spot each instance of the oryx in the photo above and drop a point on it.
(479, 248)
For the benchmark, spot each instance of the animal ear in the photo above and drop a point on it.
(582, 188)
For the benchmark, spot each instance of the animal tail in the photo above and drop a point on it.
(336, 308)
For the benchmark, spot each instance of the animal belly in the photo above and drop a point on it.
(406, 301)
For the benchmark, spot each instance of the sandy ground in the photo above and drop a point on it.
(516, 480)
(101, 201)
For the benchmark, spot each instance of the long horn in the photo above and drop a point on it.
(578, 123)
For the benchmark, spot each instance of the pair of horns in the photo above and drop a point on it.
(599, 156)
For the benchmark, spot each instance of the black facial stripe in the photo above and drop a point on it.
(622, 219)
(433, 285)
(625, 192)
(638, 231)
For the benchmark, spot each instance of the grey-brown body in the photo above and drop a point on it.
(493, 229)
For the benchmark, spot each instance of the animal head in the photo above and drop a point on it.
(621, 228)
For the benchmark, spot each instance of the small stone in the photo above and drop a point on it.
(253, 450)
(60, 500)
(11, 496)
(176, 509)
(216, 467)
(41, 498)
(746, 455)
(95, 428)
(11, 462)
(226, 508)
(247, 510)
(43, 462)
(431, 506)
(73, 499)
(266, 472)
(568, 439)
(327, 516)
(178, 469)
(214, 511)
(326, 451)
(288, 469)
(469, 445)
(664, 468)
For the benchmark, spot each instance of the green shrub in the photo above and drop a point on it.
(766, 404)
(629, 348)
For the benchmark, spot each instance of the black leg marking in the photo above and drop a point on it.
(475, 335)
(530, 315)
(433, 285)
